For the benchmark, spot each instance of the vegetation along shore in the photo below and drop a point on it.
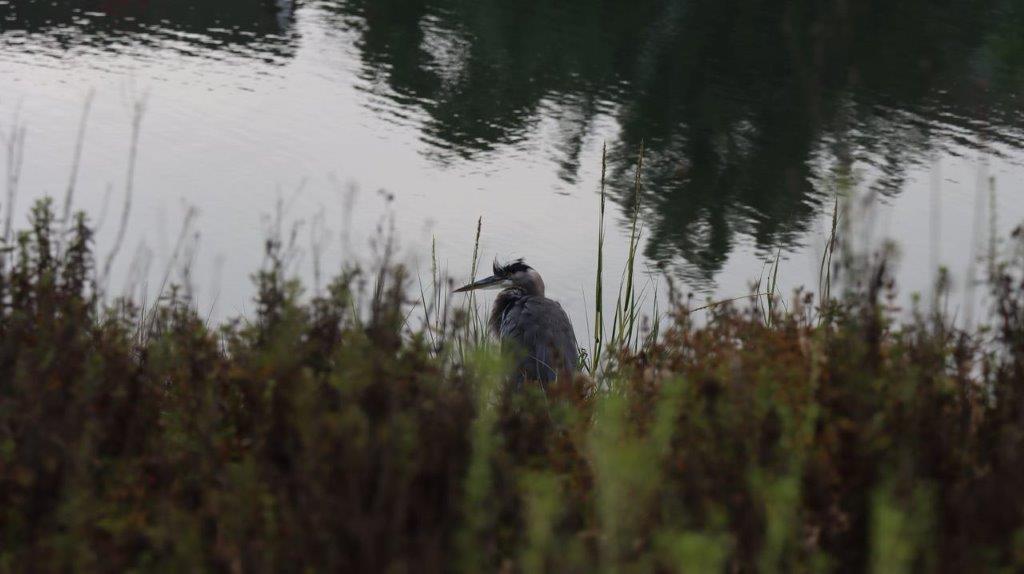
(817, 432)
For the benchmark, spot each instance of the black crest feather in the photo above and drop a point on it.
(510, 268)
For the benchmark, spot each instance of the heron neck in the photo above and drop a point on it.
(505, 299)
(534, 285)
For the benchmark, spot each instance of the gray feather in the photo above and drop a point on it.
(539, 334)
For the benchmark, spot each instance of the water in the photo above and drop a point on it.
(349, 118)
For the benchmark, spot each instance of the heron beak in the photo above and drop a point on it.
(492, 282)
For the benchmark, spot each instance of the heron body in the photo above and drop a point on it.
(536, 329)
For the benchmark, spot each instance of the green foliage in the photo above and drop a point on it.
(326, 434)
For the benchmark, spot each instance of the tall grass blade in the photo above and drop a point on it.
(599, 279)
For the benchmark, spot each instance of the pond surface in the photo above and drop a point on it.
(350, 117)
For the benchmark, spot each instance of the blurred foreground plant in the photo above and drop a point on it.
(325, 434)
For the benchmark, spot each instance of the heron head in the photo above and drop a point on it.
(514, 275)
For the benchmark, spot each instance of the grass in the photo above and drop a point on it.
(625, 331)
(333, 432)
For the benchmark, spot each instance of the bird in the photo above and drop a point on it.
(536, 328)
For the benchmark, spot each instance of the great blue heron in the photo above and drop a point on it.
(537, 329)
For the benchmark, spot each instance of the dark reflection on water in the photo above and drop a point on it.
(746, 108)
(258, 28)
(743, 106)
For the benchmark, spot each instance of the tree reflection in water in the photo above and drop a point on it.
(746, 108)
